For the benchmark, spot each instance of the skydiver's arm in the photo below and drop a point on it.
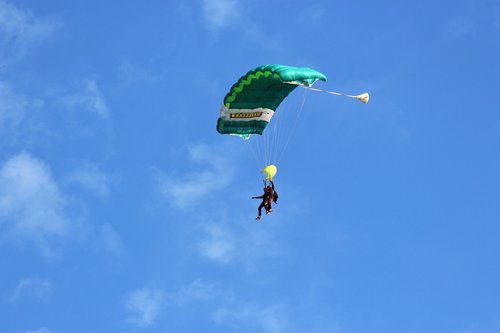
(272, 183)
(258, 197)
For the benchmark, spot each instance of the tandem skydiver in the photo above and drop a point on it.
(270, 195)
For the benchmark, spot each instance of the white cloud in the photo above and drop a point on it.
(32, 288)
(89, 98)
(314, 14)
(237, 243)
(134, 74)
(20, 30)
(220, 14)
(13, 109)
(470, 19)
(41, 330)
(218, 244)
(197, 291)
(269, 318)
(31, 204)
(187, 190)
(144, 305)
(110, 239)
(92, 179)
(18, 125)
(27, 120)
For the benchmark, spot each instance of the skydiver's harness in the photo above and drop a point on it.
(275, 194)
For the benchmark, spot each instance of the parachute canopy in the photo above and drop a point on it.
(252, 100)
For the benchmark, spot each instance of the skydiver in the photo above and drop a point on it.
(264, 203)
(273, 196)
(268, 197)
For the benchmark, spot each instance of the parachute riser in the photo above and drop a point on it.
(364, 97)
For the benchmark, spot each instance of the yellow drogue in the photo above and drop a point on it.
(270, 171)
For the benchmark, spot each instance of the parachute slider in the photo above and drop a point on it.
(365, 97)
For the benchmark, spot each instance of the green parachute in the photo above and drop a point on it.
(253, 99)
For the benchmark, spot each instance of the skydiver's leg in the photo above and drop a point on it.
(260, 209)
(269, 207)
(266, 206)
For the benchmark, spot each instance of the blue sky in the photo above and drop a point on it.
(123, 210)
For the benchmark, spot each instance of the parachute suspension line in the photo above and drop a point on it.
(294, 125)
(258, 142)
(364, 97)
(271, 141)
(282, 117)
(268, 148)
(260, 146)
(274, 136)
(251, 150)
(256, 148)
(262, 143)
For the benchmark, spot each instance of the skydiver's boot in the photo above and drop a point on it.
(258, 217)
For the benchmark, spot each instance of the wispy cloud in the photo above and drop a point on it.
(41, 330)
(255, 318)
(31, 204)
(20, 31)
(110, 240)
(28, 121)
(215, 174)
(313, 14)
(196, 291)
(471, 19)
(238, 15)
(237, 244)
(131, 73)
(92, 179)
(227, 311)
(88, 98)
(218, 244)
(13, 111)
(223, 241)
(220, 14)
(32, 288)
(144, 305)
